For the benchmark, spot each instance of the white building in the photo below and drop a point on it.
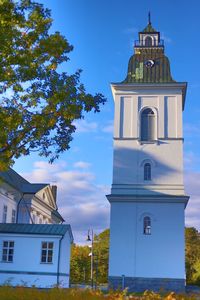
(25, 202)
(147, 196)
(35, 255)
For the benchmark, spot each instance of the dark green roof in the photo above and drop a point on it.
(39, 229)
(33, 188)
(57, 215)
(21, 184)
(149, 28)
(13, 178)
(139, 72)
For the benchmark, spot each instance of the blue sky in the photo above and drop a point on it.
(103, 33)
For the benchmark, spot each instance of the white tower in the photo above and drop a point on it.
(147, 196)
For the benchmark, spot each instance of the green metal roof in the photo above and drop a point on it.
(21, 184)
(33, 188)
(149, 28)
(38, 229)
(139, 72)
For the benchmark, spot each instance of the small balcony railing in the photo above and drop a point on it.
(148, 44)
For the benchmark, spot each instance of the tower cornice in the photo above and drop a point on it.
(118, 88)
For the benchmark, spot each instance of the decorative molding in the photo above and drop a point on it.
(33, 273)
(148, 198)
(147, 214)
(147, 160)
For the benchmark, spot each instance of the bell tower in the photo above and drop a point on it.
(147, 194)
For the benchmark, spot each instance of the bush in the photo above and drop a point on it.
(23, 293)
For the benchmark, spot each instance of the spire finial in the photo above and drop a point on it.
(149, 17)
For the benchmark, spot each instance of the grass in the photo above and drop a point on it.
(22, 293)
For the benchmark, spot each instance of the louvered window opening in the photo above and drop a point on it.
(147, 225)
(148, 125)
(148, 41)
(147, 171)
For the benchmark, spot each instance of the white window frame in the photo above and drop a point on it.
(8, 251)
(47, 249)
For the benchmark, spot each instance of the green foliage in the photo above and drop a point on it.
(21, 293)
(196, 272)
(38, 102)
(81, 261)
(80, 264)
(101, 253)
(192, 243)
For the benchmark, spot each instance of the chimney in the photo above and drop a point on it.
(54, 191)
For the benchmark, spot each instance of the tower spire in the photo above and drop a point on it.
(149, 17)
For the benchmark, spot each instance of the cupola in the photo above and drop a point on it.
(149, 64)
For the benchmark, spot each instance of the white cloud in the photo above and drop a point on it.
(81, 201)
(166, 38)
(108, 128)
(130, 30)
(191, 160)
(85, 126)
(192, 130)
(82, 165)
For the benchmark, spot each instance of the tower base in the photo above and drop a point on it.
(140, 284)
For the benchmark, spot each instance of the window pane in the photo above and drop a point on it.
(44, 252)
(10, 258)
(49, 258)
(5, 244)
(44, 245)
(11, 244)
(43, 259)
(10, 252)
(4, 257)
(5, 251)
(50, 245)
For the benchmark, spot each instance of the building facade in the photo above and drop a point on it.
(25, 202)
(35, 255)
(34, 246)
(147, 195)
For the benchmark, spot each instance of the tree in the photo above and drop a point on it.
(80, 265)
(101, 253)
(192, 253)
(38, 102)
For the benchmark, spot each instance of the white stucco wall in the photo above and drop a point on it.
(166, 154)
(159, 255)
(26, 267)
(11, 204)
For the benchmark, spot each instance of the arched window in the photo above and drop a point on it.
(147, 171)
(147, 225)
(148, 125)
(148, 41)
